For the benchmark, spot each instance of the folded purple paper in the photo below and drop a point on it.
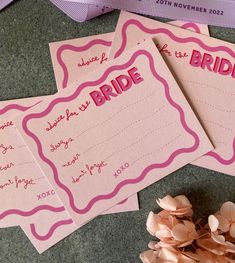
(79, 11)
(213, 12)
(4, 3)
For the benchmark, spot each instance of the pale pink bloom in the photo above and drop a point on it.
(177, 235)
(154, 245)
(179, 205)
(161, 223)
(213, 223)
(220, 239)
(185, 233)
(170, 230)
(149, 257)
(224, 220)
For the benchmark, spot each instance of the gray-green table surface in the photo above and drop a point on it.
(26, 28)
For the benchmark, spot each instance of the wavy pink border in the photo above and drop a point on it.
(156, 31)
(64, 47)
(222, 160)
(22, 108)
(56, 101)
(17, 107)
(192, 26)
(51, 231)
(31, 212)
(18, 212)
(89, 45)
(170, 34)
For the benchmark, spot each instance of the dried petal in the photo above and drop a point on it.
(185, 259)
(210, 245)
(232, 230)
(185, 244)
(228, 211)
(183, 200)
(164, 233)
(224, 224)
(213, 223)
(207, 257)
(168, 203)
(153, 245)
(152, 223)
(189, 225)
(178, 205)
(180, 232)
(148, 257)
(218, 239)
(168, 254)
(191, 255)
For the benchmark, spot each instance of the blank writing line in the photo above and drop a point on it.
(111, 117)
(19, 164)
(211, 105)
(201, 84)
(157, 150)
(125, 128)
(218, 124)
(139, 140)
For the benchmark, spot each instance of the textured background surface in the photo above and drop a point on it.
(26, 28)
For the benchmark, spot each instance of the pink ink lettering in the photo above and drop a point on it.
(25, 182)
(70, 114)
(46, 194)
(99, 59)
(4, 149)
(6, 125)
(217, 65)
(73, 161)
(118, 85)
(6, 167)
(83, 107)
(62, 143)
(6, 184)
(87, 62)
(55, 123)
(121, 170)
(179, 54)
(164, 49)
(103, 58)
(97, 167)
(90, 170)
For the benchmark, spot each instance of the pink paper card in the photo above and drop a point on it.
(120, 129)
(204, 68)
(45, 234)
(27, 197)
(23, 185)
(74, 58)
(198, 28)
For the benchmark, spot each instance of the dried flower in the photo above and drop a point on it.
(170, 230)
(148, 257)
(179, 205)
(224, 220)
(182, 241)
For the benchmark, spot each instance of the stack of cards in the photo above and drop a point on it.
(132, 107)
